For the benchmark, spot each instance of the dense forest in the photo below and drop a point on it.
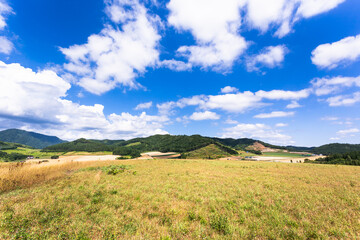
(10, 146)
(351, 158)
(81, 145)
(170, 143)
(12, 156)
(336, 148)
(133, 147)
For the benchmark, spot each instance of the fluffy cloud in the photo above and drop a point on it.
(281, 125)
(331, 55)
(229, 89)
(348, 131)
(232, 102)
(218, 41)
(293, 104)
(116, 56)
(275, 114)
(257, 131)
(270, 57)
(207, 115)
(6, 46)
(4, 10)
(282, 14)
(143, 106)
(325, 86)
(344, 100)
(238, 102)
(50, 113)
(284, 95)
(175, 65)
(218, 44)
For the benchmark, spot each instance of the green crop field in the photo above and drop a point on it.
(282, 154)
(33, 152)
(185, 199)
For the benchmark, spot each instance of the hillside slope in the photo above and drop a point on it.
(211, 151)
(81, 144)
(31, 139)
(334, 148)
(174, 143)
(11, 146)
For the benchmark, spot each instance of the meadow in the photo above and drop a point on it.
(37, 153)
(183, 199)
(282, 154)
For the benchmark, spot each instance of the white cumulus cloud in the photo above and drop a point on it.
(275, 114)
(229, 89)
(37, 101)
(270, 57)
(115, 57)
(348, 131)
(144, 106)
(207, 115)
(284, 95)
(331, 55)
(325, 86)
(344, 100)
(214, 25)
(293, 104)
(6, 46)
(257, 131)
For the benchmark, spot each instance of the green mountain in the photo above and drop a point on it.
(81, 145)
(171, 143)
(31, 139)
(162, 143)
(334, 148)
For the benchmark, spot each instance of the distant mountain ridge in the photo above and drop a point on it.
(32, 139)
(163, 143)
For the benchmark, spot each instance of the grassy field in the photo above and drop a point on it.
(186, 199)
(46, 155)
(246, 154)
(282, 154)
(33, 152)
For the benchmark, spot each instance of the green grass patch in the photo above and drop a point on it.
(283, 154)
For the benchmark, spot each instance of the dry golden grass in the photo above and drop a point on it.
(21, 175)
(189, 199)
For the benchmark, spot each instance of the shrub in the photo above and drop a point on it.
(55, 157)
(220, 224)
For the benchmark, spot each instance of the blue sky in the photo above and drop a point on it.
(286, 72)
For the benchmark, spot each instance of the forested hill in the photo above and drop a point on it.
(334, 148)
(81, 145)
(31, 139)
(171, 143)
(162, 143)
(351, 158)
(10, 146)
(243, 143)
